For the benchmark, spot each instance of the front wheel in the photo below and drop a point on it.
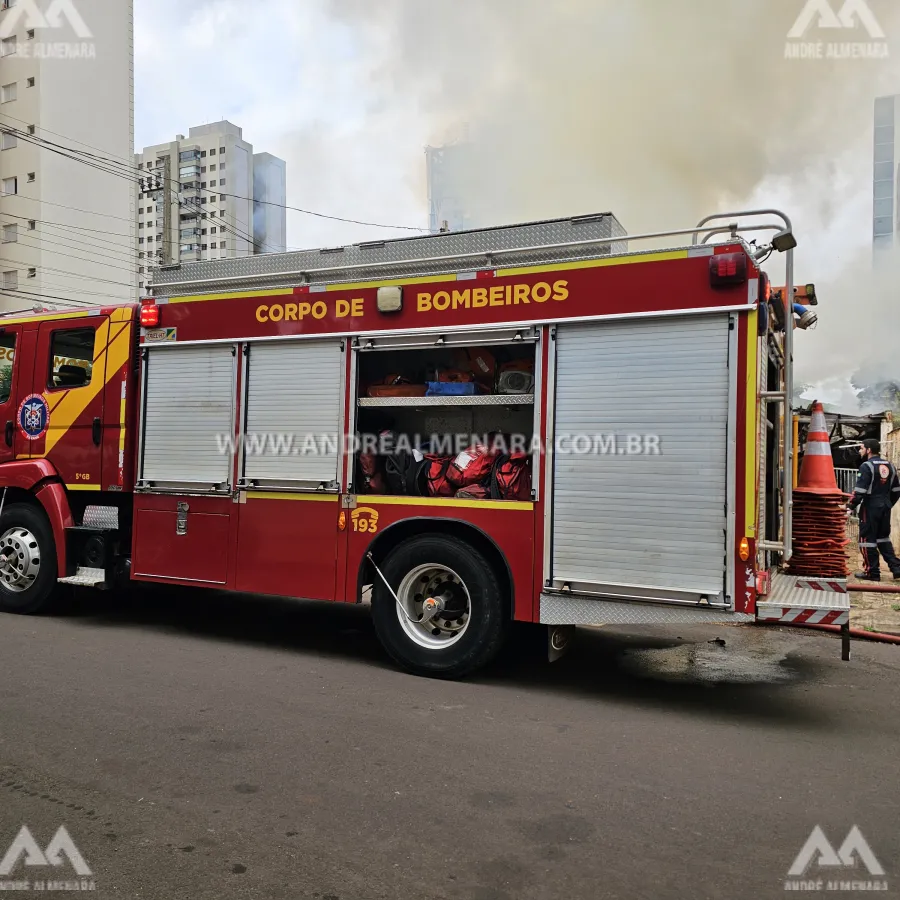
(450, 615)
(27, 560)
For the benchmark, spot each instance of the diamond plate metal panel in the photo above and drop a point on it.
(477, 400)
(559, 610)
(106, 517)
(531, 243)
(86, 577)
(784, 592)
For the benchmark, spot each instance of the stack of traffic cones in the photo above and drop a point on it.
(820, 509)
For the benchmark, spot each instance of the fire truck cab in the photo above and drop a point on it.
(221, 435)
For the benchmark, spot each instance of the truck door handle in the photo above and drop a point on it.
(9, 434)
(96, 430)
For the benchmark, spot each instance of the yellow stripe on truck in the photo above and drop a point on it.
(114, 353)
(596, 263)
(448, 502)
(198, 298)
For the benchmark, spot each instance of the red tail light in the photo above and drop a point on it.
(149, 315)
(765, 288)
(727, 269)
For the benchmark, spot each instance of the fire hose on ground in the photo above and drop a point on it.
(859, 633)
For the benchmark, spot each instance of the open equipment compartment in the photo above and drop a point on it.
(447, 416)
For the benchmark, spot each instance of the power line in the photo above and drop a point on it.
(75, 156)
(128, 171)
(318, 215)
(13, 312)
(72, 256)
(122, 167)
(42, 296)
(90, 253)
(68, 138)
(62, 225)
(65, 286)
(66, 240)
(89, 212)
(54, 270)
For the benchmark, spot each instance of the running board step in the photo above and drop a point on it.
(85, 577)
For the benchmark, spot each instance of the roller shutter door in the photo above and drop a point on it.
(643, 520)
(294, 395)
(188, 411)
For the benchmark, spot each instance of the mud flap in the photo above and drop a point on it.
(559, 639)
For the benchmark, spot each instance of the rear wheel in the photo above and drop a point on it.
(450, 615)
(28, 568)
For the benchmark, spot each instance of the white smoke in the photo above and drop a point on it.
(662, 113)
(659, 111)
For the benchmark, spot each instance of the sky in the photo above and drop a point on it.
(294, 78)
(661, 112)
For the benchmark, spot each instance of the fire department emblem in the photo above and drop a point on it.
(34, 417)
(884, 472)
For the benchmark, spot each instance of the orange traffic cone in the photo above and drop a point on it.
(820, 531)
(817, 469)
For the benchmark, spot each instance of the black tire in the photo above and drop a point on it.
(42, 595)
(488, 617)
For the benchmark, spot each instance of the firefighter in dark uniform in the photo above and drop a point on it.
(877, 490)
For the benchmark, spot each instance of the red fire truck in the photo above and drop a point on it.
(215, 435)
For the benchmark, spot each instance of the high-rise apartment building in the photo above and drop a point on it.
(447, 185)
(269, 193)
(201, 195)
(66, 90)
(885, 206)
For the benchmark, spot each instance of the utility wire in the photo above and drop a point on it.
(112, 156)
(74, 156)
(65, 286)
(125, 167)
(56, 271)
(48, 224)
(87, 251)
(89, 212)
(73, 256)
(64, 225)
(43, 296)
(65, 240)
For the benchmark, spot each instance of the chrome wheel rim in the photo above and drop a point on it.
(418, 591)
(20, 559)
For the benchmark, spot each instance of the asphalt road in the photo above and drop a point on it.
(205, 746)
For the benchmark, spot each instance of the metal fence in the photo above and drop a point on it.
(846, 479)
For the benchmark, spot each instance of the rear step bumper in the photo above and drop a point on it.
(796, 600)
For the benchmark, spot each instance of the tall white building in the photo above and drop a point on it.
(446, 169)
(269, 197)
(198, 199)
(885, 207)
(66, 83)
